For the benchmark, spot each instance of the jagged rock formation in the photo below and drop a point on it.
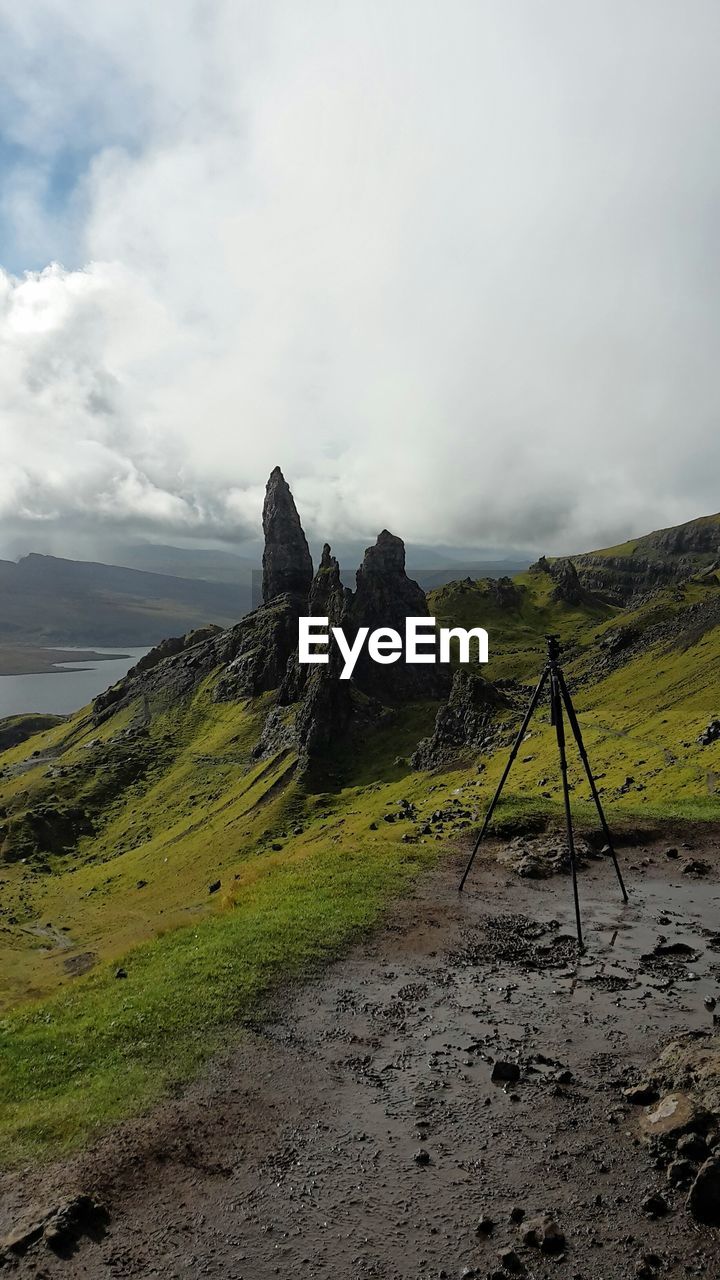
(174, 644)
(287, 564)
(326, 707)
(256, 658)
(328, 599)
(619, 640)
(174, 666)
(16, 729)
(568, 587)
(313, 708)
(505, 593)
(170, 648)
(696, 537)
(255, 652)
(464, 723)
(385, 597)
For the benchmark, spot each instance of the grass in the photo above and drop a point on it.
(301, 871)
(108, 1046)
(516, 634)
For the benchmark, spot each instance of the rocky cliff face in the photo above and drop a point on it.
(287, 564)
(654, 561)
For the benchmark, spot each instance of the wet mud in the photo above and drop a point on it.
(413, 1109)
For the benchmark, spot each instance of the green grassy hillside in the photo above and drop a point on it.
(115, 838)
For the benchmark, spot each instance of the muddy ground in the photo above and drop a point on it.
(359, 1134)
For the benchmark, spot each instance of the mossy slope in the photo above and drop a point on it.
(300, 870)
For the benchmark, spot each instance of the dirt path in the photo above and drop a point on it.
(360, 1135)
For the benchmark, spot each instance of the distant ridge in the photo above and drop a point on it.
(47, 600)
(653, 560)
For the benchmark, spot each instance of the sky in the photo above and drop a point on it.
(453, 266)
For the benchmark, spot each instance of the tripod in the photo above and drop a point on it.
(559, 696)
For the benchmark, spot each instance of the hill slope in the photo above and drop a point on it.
(205, 829)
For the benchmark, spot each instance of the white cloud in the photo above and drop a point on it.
(446, 265)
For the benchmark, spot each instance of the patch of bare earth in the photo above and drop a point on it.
(360, 1132)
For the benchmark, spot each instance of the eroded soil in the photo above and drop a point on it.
(359, 1133)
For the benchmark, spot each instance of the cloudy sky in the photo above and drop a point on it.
(453, 265)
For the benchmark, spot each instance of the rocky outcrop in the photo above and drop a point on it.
(696, 537)
(684, 627)
(49, 827)
(287, 564)
(257, 656)
(621, 579)
(328, 597)
(267, 637)
(169, 648)
(326, 708)
(504, 593)
(385, 597)
(174, 644)
(710, 734)
(464, 724)
(568, 588)
(620, 639)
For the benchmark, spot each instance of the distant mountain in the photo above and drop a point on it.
(46, 600)
(156, 590)
(431, 566)
(183, 562)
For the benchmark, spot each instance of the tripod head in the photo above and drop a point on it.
(553, 644)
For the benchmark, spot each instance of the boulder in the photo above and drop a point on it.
(710, 734)
(673, 1115)
(545, 1234)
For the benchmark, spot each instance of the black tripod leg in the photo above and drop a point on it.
(556, 703)
(574, 725)
(508, 766)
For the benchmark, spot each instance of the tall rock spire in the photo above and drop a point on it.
(287, 565)
(385, 597)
